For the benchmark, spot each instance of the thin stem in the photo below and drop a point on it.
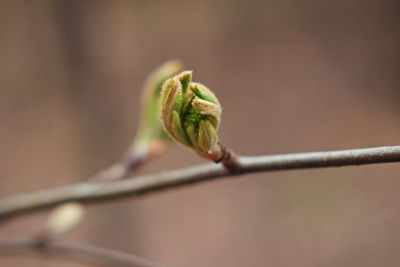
(101, 191)
(129, 163)
(77, 251)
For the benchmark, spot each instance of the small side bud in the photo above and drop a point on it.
(191, 114)
(64, 218)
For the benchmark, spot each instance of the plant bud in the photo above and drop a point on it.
(190, 113)
(64, 217)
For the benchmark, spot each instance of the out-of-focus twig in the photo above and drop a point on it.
(67, 215)
(151, 141)
(97, 191)
(77, 251)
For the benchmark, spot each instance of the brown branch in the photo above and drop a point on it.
(73, 250)
(97, 191)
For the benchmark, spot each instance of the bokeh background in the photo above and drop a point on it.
(292, 75)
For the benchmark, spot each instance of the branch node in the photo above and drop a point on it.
(229, 159)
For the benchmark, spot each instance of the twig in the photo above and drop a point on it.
(100, 191)
(119, 170)
(83, 252)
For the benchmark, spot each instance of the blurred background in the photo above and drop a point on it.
(292, 75)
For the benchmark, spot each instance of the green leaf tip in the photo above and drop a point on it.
(190, 113)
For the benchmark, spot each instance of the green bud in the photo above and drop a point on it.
(190, 113)
(151, 136)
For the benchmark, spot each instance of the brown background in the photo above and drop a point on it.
(292, 75)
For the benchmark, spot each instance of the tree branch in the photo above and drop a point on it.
(100, 191)
(82, 252)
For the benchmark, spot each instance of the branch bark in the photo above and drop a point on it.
(73, 250)
(101, 191)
